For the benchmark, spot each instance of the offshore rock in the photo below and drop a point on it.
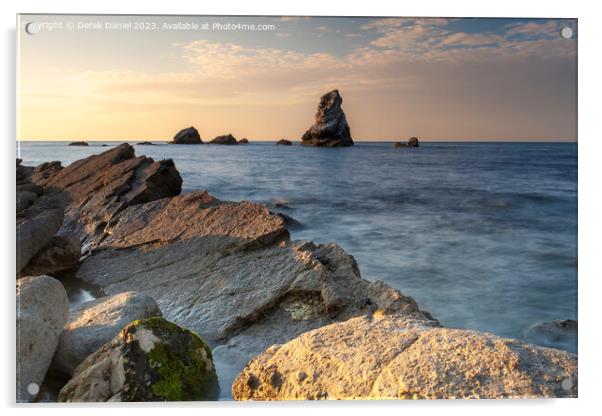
(149, 360)
(331, 128)
(225, 139)
(284, 142)
(393, 357)
(188, 135)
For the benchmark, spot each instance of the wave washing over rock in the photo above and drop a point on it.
(229, 272)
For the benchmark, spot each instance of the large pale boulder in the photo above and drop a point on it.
(42, 310)
(95, 323)
(392, 357)
(149, 360)
(331, 128)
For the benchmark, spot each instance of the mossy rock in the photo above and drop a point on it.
(167, 362)
(149, 360)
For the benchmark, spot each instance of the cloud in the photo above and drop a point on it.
(549, 29)
(472, 39)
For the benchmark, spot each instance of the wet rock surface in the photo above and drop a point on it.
(97, 322)
(149, 360)
(188, 135)
(393, 357)
(42, 310)
(330, 128)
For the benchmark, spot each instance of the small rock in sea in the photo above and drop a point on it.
(225, 139)
(81, 143)
(399, 144)
(561, 334)
(331, 128)
(284, 142)
(394, 357)
(243, 141)
(189, 135)
(95, 323)
(413, 142)
(145, 144)
(42, 310)
(149, 360)
(62, 253)
(290, 221)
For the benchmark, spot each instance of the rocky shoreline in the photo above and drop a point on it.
(294, 318)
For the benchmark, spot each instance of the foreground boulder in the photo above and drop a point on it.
(188, 135)
(284, 142)
(392, 357)
(42, 310)
(149, 360)
(95, 323)
(225, 139)
(331, 128)
(60, 254)
(561, 334)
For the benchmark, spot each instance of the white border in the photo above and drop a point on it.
(589, 188)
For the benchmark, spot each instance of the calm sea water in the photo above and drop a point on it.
(482, 235)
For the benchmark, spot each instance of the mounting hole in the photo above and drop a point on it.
(33, 389)
(32, 28)
(566, 32)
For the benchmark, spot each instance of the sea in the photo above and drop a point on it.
(483, 235)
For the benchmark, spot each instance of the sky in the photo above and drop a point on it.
(146, 77)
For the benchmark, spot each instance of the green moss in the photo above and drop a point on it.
(180, 363)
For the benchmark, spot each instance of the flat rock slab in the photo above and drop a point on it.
(392, 357)
(95, 323)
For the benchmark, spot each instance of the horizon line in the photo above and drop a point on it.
(299, 141)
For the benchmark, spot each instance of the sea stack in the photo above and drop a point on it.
(413, 142)
(331, 128)
(188, 135)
